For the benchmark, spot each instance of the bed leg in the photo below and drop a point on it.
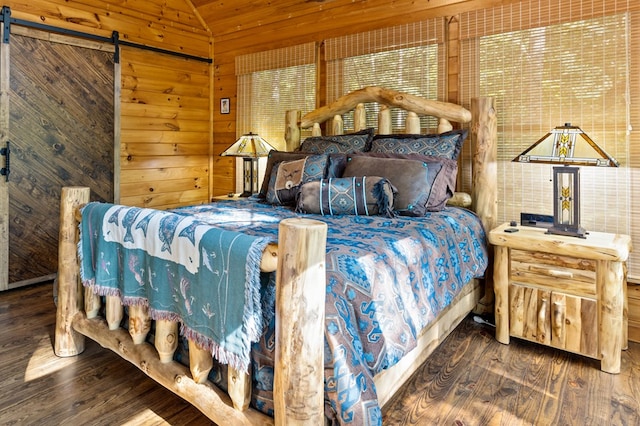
(299, 357)
(69, 342)
(239, 385)
(485, 181)
(166, 339)
(200, 362)
(139, 323)
(91, 303)
(115, 312)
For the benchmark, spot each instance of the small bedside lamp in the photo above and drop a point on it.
(563, 146)
(250, 147)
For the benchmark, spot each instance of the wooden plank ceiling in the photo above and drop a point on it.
(225, 17)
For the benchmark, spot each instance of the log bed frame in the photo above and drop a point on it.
(299, 260)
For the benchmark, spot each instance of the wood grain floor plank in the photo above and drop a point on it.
(471, 379)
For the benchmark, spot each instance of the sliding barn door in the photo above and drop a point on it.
(60, 133)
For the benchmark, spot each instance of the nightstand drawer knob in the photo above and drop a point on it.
(551, 272)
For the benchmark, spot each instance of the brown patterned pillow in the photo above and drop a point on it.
(424, 183)
(287, 177)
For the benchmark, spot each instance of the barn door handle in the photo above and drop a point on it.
(6, 169)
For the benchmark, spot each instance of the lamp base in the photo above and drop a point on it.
(568, 231)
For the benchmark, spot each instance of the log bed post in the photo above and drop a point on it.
(69, 342)
(485, 181)
(299, 357)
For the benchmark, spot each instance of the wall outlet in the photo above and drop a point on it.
(537, 220)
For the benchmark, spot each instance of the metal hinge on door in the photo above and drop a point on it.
(6, 169)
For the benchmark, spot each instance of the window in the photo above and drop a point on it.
(269, 84)
(558, 63)
(408, 58)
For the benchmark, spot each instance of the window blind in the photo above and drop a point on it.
(269, 84)
(409, 58)
(549, 63)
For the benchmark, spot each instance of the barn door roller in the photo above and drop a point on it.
(5, 170)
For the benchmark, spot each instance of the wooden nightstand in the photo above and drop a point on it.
(565, 292)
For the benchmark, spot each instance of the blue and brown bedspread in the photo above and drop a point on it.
(387, 278)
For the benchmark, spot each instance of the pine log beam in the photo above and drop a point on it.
(114, 312)
(239, 388)
(337, 125)
(611, 314)
(484, 192)
(501, 272)
(359, 118)
(92, 303)
(412, 123)
(292, 131)
(139, 323)
(299, 357)
(200, 362)
(70, 298)
(384, 120)
(420, 106)
(213, 402)
(166, 339)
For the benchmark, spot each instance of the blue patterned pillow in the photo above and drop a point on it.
(339, 144)
(445, 145)
(360, 196)
(287, 177)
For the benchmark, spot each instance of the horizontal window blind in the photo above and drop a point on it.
(546, 64)
(408, 58)
(269, 84)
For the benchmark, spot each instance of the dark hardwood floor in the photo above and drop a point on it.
(471, 379)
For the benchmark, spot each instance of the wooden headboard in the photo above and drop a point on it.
(415, 106)
(483, 197)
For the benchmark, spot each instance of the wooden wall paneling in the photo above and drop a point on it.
(161, 136)
(167, 200)
(163, 174)
(165, 125)
(224, 125)
(102, 18)
(117, 131)
(4, 186)
(180, 184)
(315, 17)
(150, 149)
(179, 13)
(224, 175)
(210, 113)
(453, 61)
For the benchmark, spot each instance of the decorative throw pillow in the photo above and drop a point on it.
(424, 183)
(274, 158)
(335, 165)
(351, 142)
(287, 177)
(361, 196)
(445, 145)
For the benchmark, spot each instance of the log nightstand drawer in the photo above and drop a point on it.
(564, 292)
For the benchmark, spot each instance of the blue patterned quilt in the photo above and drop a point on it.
(387, 278)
